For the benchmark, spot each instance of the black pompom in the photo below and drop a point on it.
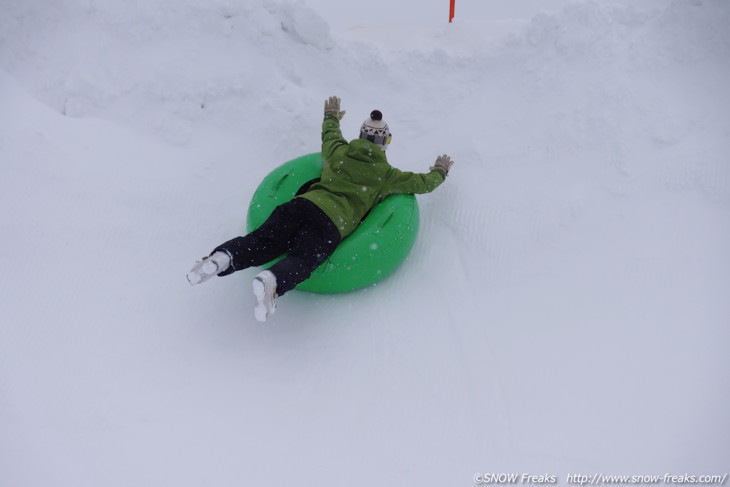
(376, 115)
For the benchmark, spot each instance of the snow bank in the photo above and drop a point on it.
(164, 67)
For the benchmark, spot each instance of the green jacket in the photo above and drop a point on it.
(356, 176)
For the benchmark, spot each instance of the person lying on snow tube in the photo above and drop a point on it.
(309, 227)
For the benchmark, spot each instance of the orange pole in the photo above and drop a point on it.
(451, 10)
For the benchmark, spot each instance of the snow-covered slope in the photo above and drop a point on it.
(565, 308)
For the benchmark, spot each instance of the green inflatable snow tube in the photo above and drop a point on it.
(374, 250)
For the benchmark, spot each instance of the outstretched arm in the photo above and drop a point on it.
(408, 182)
(331, 135)
(400, 182)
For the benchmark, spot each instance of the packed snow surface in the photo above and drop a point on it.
(565, 310)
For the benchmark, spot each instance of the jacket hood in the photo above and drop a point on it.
(365, 151)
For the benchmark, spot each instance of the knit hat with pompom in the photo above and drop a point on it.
(376, 130)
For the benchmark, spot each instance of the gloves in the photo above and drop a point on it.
(443, 164)
(332, 107)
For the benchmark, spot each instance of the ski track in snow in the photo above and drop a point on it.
(565, 308)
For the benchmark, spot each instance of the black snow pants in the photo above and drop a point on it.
(298, 228)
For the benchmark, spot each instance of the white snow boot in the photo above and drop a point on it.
(209, 267)
(264, 288)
